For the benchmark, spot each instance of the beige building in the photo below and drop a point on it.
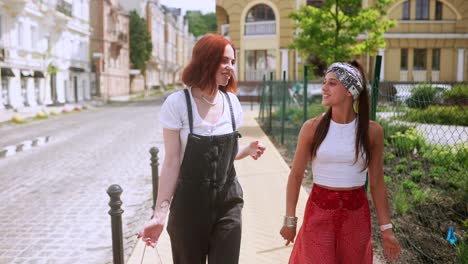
(171, 40)
(262, 31)
(429, 43)
(110, 48)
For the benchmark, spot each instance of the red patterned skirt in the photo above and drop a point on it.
(336, 229)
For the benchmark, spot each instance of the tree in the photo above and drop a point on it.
(140, 41)
(200, 24)
(330, 32)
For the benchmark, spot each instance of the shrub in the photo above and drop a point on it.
(444, 115)
(41, 115)
(416, 175)
(388, 157)
(416, 164)
(422, 96)
(400, 168)
(401, 201)
(387, 179)
(419, 196)
(391, 129)
(457, 95)
(406, 143)
(17, 119)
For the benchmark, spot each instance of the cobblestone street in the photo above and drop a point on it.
(54, 203)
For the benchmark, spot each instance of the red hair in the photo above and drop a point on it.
(207, 55)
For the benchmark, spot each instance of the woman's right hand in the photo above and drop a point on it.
(288, 233)
(152, 230)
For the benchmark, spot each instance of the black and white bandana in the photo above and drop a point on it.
(349, 76)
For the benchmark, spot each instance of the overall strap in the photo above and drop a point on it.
(233, 120)
(189, 109)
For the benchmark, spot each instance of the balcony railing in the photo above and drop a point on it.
(257, 75)
(419, 75)
(260, 28)
(64, 7)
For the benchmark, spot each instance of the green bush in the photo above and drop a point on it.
(388, 157)
(416, 175)
(422, 96)
(400, 168)
(391, 129)
(406, 143)
(458, 94)
(401, 201)
(444, 115)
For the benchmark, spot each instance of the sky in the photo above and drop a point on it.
(205, 6)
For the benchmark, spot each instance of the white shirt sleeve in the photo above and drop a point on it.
(169, 115)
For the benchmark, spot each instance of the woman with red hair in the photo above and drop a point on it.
(198, 186)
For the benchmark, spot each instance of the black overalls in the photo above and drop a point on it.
(205, 215)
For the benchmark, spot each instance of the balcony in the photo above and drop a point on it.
(257, 75)
(260, 28)
(15, 5)
(64, 7)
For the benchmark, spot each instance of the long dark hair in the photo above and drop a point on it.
(362, 132)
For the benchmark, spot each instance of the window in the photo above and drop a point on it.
(20, 34)
(436, 59)
(419, 59)
(406, 10)
(404, 60)
(34, 37)
(315, 3)
(422, 9)
(260, 13)
(438, 10)
(259, 63)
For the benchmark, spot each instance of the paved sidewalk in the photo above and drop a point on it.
(264, 184)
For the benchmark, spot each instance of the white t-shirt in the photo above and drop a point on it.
(174, 115)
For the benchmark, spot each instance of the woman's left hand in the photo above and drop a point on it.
(255, 149)
(391, 247)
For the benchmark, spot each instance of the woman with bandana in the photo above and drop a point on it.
(198, 189)
(343, 146)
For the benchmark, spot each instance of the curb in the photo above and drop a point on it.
(23, 146)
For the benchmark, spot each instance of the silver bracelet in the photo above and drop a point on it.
(386, 227)
(290, 221)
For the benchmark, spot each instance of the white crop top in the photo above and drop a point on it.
(174, 115)
(334, 164)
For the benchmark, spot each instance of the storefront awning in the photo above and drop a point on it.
(7, 72)
(38, 74)
(26, 73)
(76, 69)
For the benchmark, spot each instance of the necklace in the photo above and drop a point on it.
(215, 102)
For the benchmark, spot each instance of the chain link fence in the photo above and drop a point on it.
(425, 160)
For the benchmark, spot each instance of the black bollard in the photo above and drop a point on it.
(155, 172)
(114, 191)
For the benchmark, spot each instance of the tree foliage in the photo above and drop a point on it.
(330, 33)
(200, 24)
(140, 41)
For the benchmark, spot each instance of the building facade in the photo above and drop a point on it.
(429, 43)
(43, 52)
(110, 49)
(262, 31)
(169, 35)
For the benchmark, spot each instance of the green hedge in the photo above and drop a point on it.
(444, 115)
